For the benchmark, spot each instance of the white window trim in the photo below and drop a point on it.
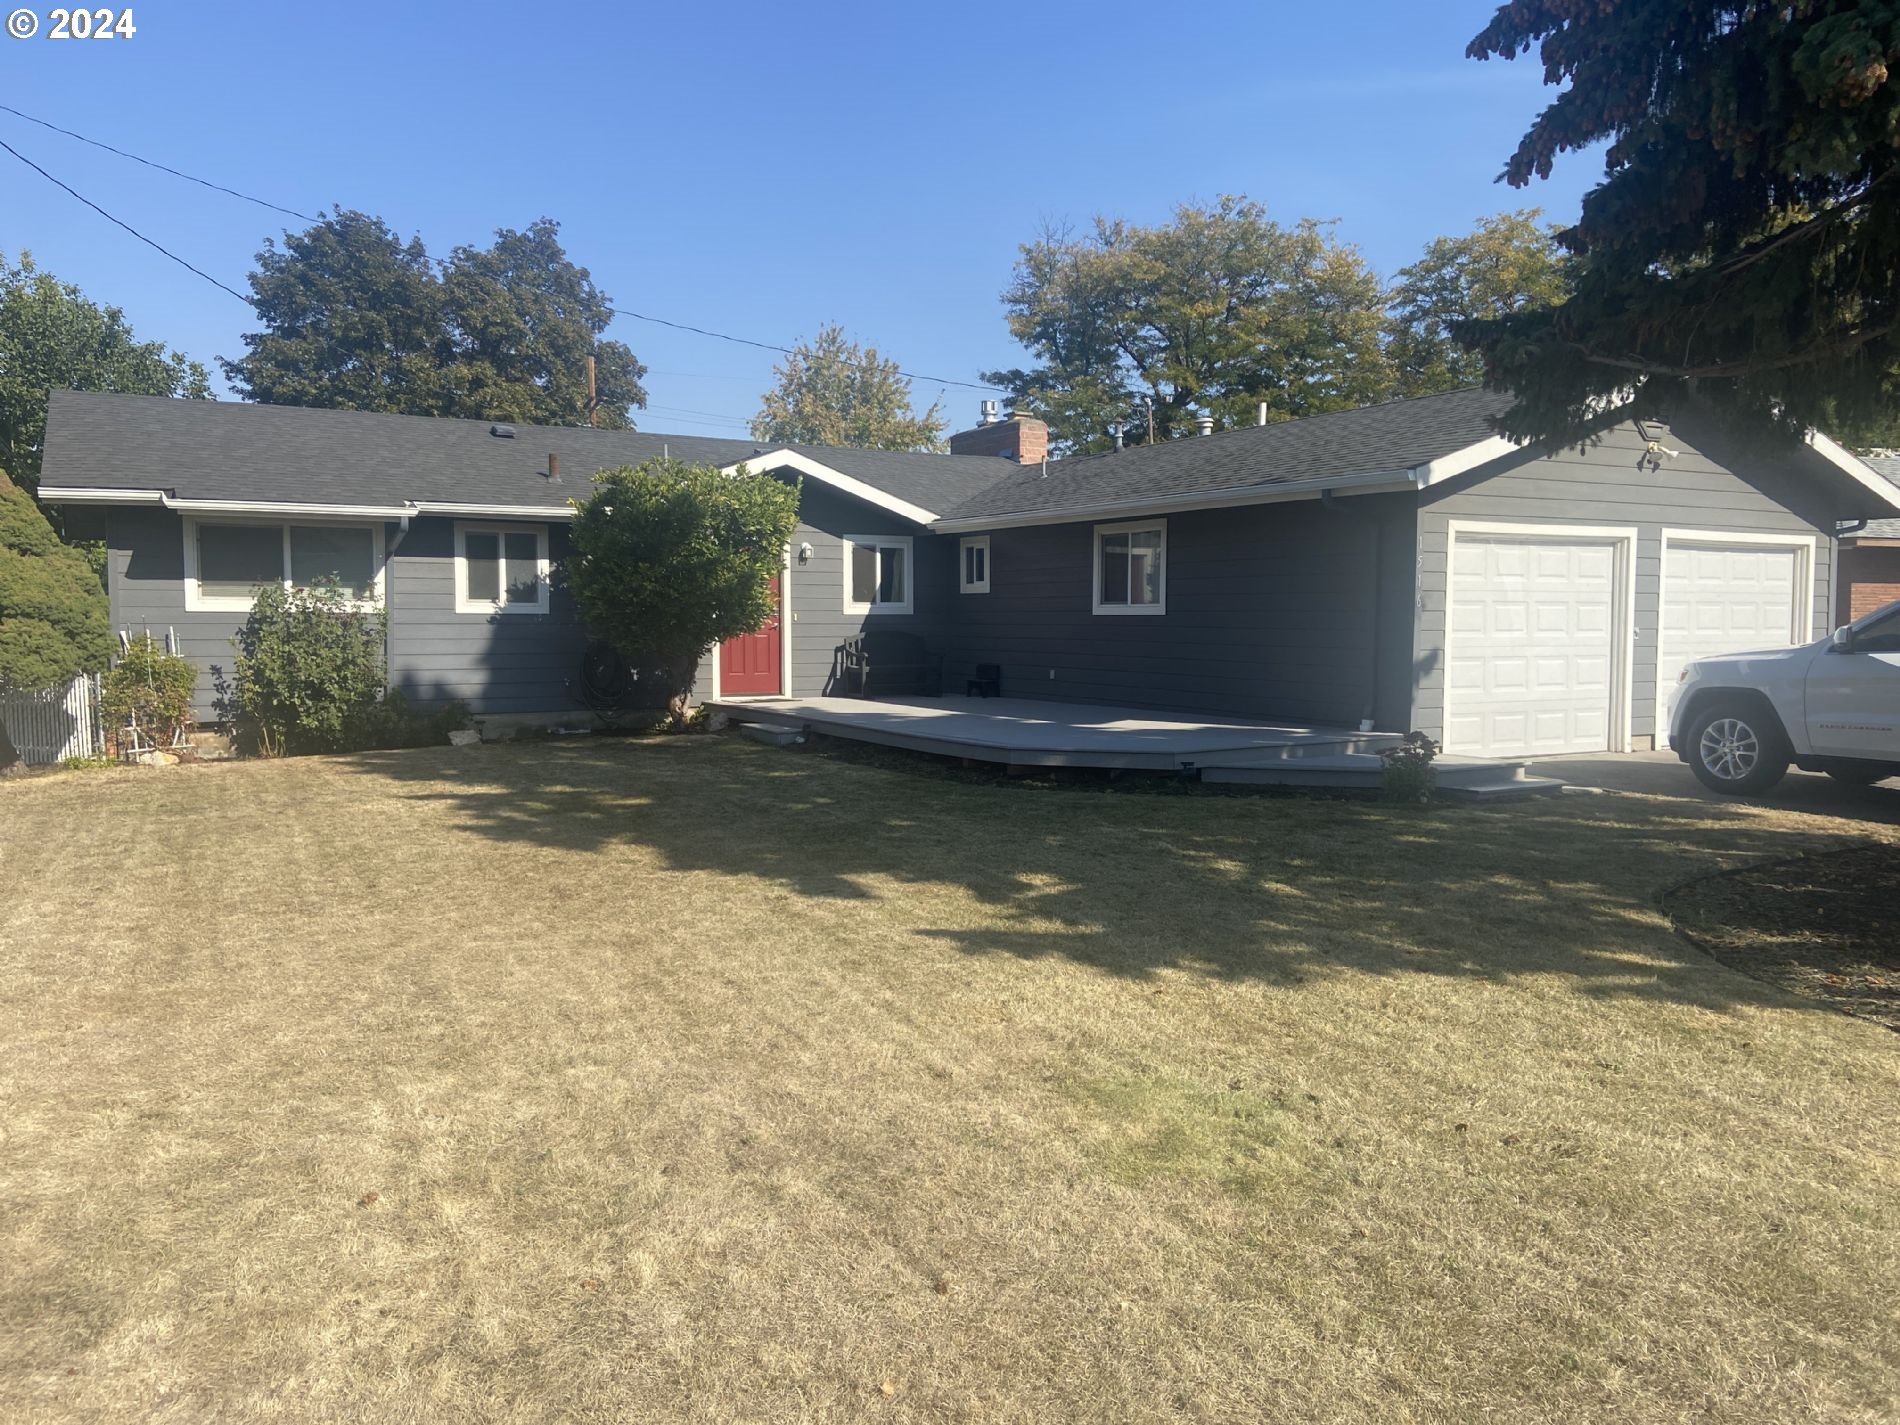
(490, 607)
(197, 601)
(964, 583)
(1160, 605)
(883, 542)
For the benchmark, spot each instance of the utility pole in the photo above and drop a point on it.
(592, 399)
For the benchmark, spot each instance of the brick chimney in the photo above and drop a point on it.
(1023, 439)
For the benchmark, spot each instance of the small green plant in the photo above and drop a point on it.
(85, 764)
(309, 669)
(150, 690)
(1408, 770)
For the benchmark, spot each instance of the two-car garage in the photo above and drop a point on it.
(1566, 638)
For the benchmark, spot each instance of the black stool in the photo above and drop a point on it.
(988, 682)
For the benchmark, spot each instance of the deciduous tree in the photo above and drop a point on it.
(353, 318)
(1745, 240)
(669, 559)
(53, 337)
(525, 318)
(356, 319)
(1215, 311)
(831, 391)
(1508, 263)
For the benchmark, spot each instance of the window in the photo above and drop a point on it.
(1131, 574)
(227, 563)
(1878, 633)
(877, 574)
(975, 554)
(501, 569)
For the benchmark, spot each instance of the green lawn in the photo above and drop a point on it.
(688, 1079)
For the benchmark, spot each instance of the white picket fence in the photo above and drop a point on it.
(50, 727)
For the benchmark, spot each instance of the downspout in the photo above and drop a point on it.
(389, 591)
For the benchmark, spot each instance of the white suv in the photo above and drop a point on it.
(1833, 706)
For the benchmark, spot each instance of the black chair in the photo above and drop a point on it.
(988, 682)
(885, 661)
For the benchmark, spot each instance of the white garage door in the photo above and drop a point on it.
(1724, 598)
(1531, 665)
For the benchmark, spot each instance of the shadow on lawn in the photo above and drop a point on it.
(1268, 888)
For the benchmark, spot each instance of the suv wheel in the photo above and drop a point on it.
(1736, 749)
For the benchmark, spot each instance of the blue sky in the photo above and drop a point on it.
(754, 169)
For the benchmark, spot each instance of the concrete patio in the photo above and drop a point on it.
(1026, 733)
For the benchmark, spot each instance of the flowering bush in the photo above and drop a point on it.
(1408, 769)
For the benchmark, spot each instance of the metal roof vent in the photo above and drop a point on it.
(1204, 423)
(502, 432)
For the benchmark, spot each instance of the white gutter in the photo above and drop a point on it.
(88, 495)
(1365, 483)
(493, 512)
(276, 507)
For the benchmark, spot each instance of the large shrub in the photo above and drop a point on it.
(53, 622)
(309, 668)
(671, 558)
(310, 676)
(150, 689)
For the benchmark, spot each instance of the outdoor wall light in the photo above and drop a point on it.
(804, 554)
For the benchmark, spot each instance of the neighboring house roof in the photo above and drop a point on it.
(1384, 440)
(231, 452)
(1889, 466)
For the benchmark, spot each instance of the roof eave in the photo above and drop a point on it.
(93, 495)
(1364, 483)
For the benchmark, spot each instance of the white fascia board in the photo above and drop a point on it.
(836, 479)
(91, 495)
(1446, 467)
(1850, 463)
(1368, 483)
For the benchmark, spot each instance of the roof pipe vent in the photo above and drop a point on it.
(986, 415)
(1204, 423)
(1263, 413)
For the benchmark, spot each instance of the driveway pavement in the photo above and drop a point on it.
(1660, 774)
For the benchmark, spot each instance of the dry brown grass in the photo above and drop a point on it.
(690, 1080)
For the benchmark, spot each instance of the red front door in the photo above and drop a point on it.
(750, 664)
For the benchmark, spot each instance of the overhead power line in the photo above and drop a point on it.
(161, 167)
(308, 217)
(156, 246)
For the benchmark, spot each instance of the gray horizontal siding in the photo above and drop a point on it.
(1603, 486)
(818, 623)
(1272, 611)
(496, 663)
(504, 664)
(146, 580)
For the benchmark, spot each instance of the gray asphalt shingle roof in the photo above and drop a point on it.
(1889, 466)
(1394, 436)
(230, 450)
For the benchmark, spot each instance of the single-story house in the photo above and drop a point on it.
(1870, 556)
(1394, 567)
